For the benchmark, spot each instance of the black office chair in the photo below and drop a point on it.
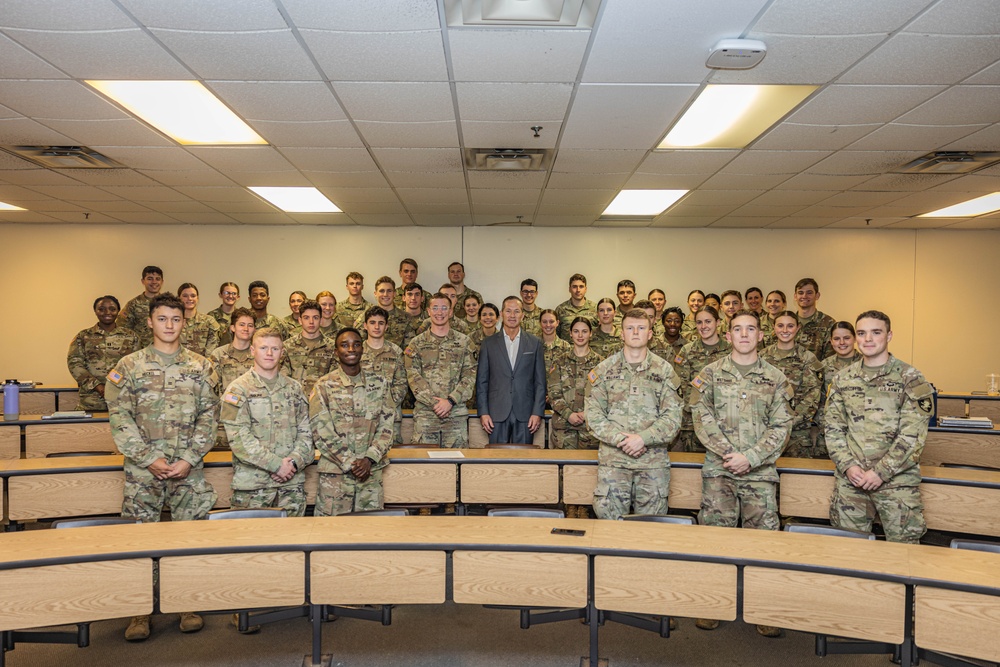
(254, 513)
(816, 529)
(93, 521)
(528, 512)
(386, 512)
(976, 545)
(660, 518)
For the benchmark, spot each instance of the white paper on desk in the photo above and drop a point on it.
(445, 454)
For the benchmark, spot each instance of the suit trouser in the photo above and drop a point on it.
(511, 430)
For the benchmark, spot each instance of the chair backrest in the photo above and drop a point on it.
(500, 445)
(416, 446)
(256, 513)
(660, 518)
(60, 455)
(393, 512)
(530, 512)
(965, 466)
(976, 545)
(97, 521)
(814, 529)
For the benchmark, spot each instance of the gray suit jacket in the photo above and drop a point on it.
(502, 390)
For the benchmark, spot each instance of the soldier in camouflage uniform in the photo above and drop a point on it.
(354, 306)
(407, 276)
(670, 344)
(575, 306)
(626, 301)
(633, 407)
(266, 418)
(688, 363)
(732, 302)
(309, 355)
(529, 294)
(607, 337)
(291, 322)
(554, 346)
(95, 351)
(260, 296)
(328, 313)
(351, 414)
(741, 415)
(566, 381)
(398, 323)
(659, 300)
(456, 278)
(877, 415)
(230, 295)
(844, 354)
(804, 373)
(441, 373)
(135, 314)
(456, 322)
(695, 301)
(414, 309)
(201, 332)
(489, 314)
(815, 326)
(384, 358)
(233, 359)
(164, 412)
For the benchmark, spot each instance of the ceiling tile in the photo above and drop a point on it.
(597, 162)
(987, 139)
(904, 182)
(861, 105)
(861, 198)
(899, 137)
(862, 162)
(73, 192)
(416, 55)
(193, 15)
(803, 59)
(399, 102)
(271, 218)
(446, 220)
(822, 182)
(102, 177)
(988, 75)
(679, 221)
(792, 197)
(917, 58)
(18, 59)
(563, 221)
(439, 134)
(145, 157)
(383, 219)
(727, 197)
(687, 162)
(684, 209)
(363, 195)
(25, 132)
(744, 181)
(413, 159)
(643, 181)
(755, 210)
(773, 162)
(309, 134)
(528, 54)
(242, 158)
(372, 15)
(506, 135)
(792, 136)
(960, 105)
(969, 17)
(330, 159)
(613, 116)
(266, 55)
(37, 176)
(283, 101)
(977, 223)
(119, 131)
(972, 183)
(567, 209)
(354, 208)
(145, 194)
(584, 198)
(517, 197)
(322, 219)
(426, 179)
(845, 17)
(862, 223)
(75, 100)
(205, 177)
(219, 194)
(533, 180)
(521, 102)
(347, 179)
(426, 209)
(27, 217)
(433, 195)
(743, 221)
(587, 181)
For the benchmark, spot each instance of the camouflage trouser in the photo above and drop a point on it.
(724, 500)
(340, 494)
(621, 491)
(91, 400)
(573, 439)
(452, 432)
(221, 439)
(397, 430)
(189, 499)
(292, 499)
(800, 445)
(899, 508)
(686, 441)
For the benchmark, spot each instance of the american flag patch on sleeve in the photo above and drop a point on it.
(698, 383)
(592, 377)
(114, 377)
(232, 399)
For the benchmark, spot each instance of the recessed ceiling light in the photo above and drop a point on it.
(644, 203)
(298, 200)
(186, 111)
(10, 207)
(731, 116)
(968, 209)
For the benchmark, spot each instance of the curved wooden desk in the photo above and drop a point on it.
(851, 588)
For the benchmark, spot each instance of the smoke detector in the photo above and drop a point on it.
(736, 54)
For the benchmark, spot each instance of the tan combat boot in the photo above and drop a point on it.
(191, 622)
(138, 629)
(706, 624)
(768, 631)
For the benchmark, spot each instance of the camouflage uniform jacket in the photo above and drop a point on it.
(567, 386)
(94, 352)
(460, 301)
(306, 363)
(387, 363)
(274, 323)
(413, 323)
(456, 324)
(606, 344)
(553, 350)
(767, 328)
(644, 400)
(814, 334)
(831, 366)
(695, 356)
(566, 312)
(879, 423)
(532, 322)
(230, 363)
(200, 334)
(135, 316)
(689, 329)
(669, 351)
(397, 328)
(399, 301)
(351, 419)
(224, 321)
(476, 339)
(163, 409)
(804, 373)
(264, 425)
(748, 414)
(347, 313)
(442, 367)
(291, 325)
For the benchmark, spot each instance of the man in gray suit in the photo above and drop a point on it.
(510, 387)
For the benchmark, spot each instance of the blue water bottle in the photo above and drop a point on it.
(11, 400)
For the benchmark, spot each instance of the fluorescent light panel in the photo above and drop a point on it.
(10, 207)
(731, 116)
(184, 110)
(642, 203)
(968, 209)
(297, 200)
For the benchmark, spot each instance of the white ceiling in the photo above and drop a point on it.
(373, 101)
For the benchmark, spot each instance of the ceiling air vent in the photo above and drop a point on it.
(507, 159)
(949, 162)
(64, 157)
(522, 13)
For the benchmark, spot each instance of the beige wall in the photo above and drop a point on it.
(49, 275)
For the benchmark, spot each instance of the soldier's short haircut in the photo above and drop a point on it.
(754, 289)
(356, 276)
(671, 310)
(707, 309)
(241, 312)
(582, 319)
(654, 291)
(310, 304)
(165, 300)
(326, 293)
(807, 281)
(266, 332)
(259, 284)
(223, 286)
(732, 292)
(185, 286)
(577, 276)
(385, 279)
(147, 270)
(625, 283)
(344, 331)
(528, 281)
(377, 311)
(503, 304)
(491, 306)
(746, 313)
(439, 295)
(843, 325)
(299, 292)
(784, 299)
(408, 260)
(456, 264)
(696, 291)
(637, 314)
(107, 297)
(409, 287)
(875, 315)
(645, 303)
(787, 313)
(447, 286)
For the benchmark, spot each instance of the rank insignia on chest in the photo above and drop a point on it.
(232, 399)
(114, 377)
